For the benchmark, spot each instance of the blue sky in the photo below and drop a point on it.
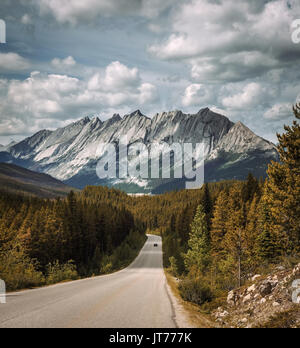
(66, 59)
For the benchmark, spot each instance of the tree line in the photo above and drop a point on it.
(76, 237)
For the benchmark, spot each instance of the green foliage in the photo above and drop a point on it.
(19, 271)
(282, 190)
(199, 243)
(124, 254)
(250, 188)
(107, 268)
(195, 290)
(265, 242)
(58, 273)
(173, 266)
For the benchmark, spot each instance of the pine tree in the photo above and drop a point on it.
(251, 232)
(218, 232)
(234, 241)
(198, 254)
(207, 204)
(96, 261)
(282, 191)
(265, 243)
(250, 188)
(218, 229)
(207, 200)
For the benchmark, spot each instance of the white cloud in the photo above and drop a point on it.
(49, 99)
(196, 95)
(279, 112)
(116, 77)
(12, 62)
(148, 93)
(119, 76)
(120, 84)
(78, 11)
(63, 63)
(228, 23)
(230, 40)
(252, 94)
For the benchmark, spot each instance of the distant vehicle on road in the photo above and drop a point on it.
(155, 245)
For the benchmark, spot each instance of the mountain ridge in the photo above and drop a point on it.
(72, 151)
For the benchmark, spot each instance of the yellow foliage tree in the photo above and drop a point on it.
(282, 189)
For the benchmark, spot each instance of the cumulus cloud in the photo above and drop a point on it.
(230, 40)
(12, 62)
(63, 63)
(120, 84)
(279, 112)
(117, 76)
(251, 95)
(196, 95)
(53, 98)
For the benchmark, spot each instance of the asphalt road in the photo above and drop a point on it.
(136, 297)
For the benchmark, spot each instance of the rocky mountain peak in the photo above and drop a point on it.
(203, 111)
(96, 121)
(134, 114)
(70, 153)
(240, 139)
(83, 121)
(116, 117)
(138, 113)
(111, 121)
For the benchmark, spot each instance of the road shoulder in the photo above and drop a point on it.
(187, 315)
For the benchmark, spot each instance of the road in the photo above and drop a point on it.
(136, 297)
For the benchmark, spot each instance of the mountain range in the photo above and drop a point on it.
(70, 154)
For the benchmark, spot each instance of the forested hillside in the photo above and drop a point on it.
(43, 241)
(19, 180)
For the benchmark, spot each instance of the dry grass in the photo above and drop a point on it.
(284, 320)
(195, 316)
